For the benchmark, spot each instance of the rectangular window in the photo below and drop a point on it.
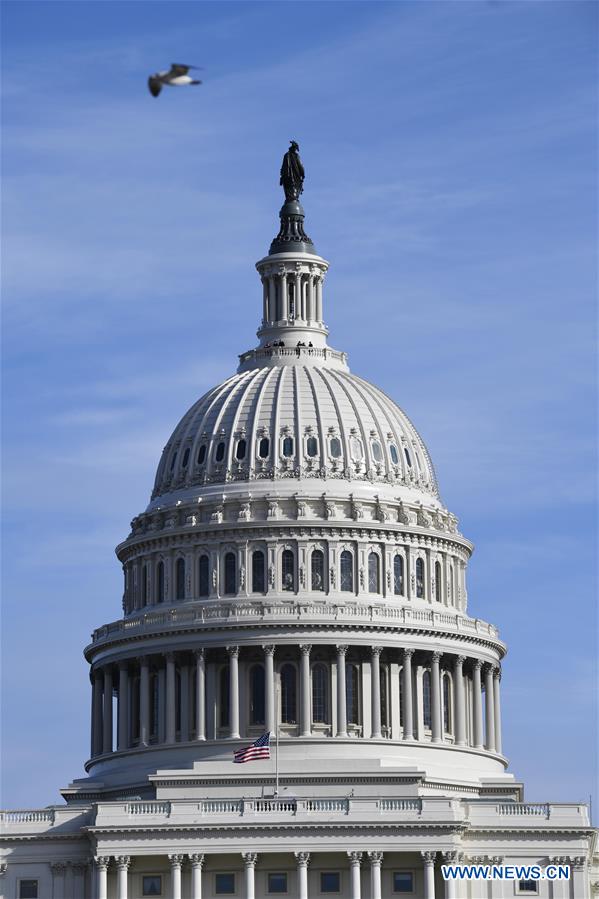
(151, 885)
(330, 882)
(528, 887)
(28, 889)
(224, 884)
(277, 883)
(403, 882)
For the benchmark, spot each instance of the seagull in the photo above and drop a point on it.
(174, 78)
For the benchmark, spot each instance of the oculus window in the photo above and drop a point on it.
(241, 450)
(264, 448)
(335, 448)
(220, 452)
(202, 454)
(312, 447)
(356, 449)
(377, 451)
(185, 458)
(288, 447)
(394, 454)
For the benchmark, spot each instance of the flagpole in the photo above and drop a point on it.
(278, 715)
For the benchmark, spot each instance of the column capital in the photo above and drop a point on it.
(200, 654)
(124, 665)
(302, 858)
(342, 649)
(376, 650)
(429, 857)
(306, 648)
(196, 859)
(355, 857)
(490, 668)
(436, 657)
(176, 860)
(478, 664)
(408, 653)
(453, 857)
(122, 862)
(169, 656)
(143, 660)
(58, 867)
(269, 649)
(375, 858)
(459, 660)
(249, 859)
(233, 651)
(102, 861)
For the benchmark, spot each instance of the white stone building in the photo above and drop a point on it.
(295, 572)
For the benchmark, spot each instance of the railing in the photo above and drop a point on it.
(279, 351)
(328, 805)
(148, 808)
(400, 805)
(262, 611)
(539, 809)
(28, 816)
(220, 806)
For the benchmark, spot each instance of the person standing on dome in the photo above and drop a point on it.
(292, 173)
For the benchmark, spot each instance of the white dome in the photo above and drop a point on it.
(294, 418)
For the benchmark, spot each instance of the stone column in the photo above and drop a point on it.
(496, 694)
(300, 306)
(122, 867)
(408, 704)
(184, 700)
(249, 860)
(97, 688)
(144, 702)
(176, 863)
(264, 300)
(59, 870)
(310, 298)
(78, 870)
(306, 729)
(375, 685)
(102, 862)
(429, 874)
(272, 299)
(107, 722)
(171, 699)
(451, 886)
(341, 693)
(376, 860)
(302, 860)
(489, 709)
(233, 691)
(460, 701)
(284, 297)
(200, 694)
(477, 705)
(355, 860)
(122, 739)
(197, 863)
(269, 687)
(435, 698)
(318, 286)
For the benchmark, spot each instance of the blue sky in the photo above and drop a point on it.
(451, 182)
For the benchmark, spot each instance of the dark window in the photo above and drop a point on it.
(160, 582)
(288, 446)
(335, 448)
(230, 573)
(352, 686)
(220, 452)
(224, 884)
(288, 695)
(320, 694)
(258, 572)
(204, 576)
(317, 570)
(151, 885)
(394, 454)
(257, 715)
(173, 460)
(438, 581)
(347, 571)
(185, 458)
(384, 695)
(277, 883)
(144, 585)
(134, 708)
(426, 698)
(312, 446)
(403, 882)
(241, 449)
(154, 706)
(373, 573)
(407, 455)
(420, 578)
(177, 700)
(28, 889)
(377, 451)
(401, 699)
(264, 448)
(330, 882)
(288, 570)
(202, 454)
(224, 696)
(398, 576)
(180, 579)
(446, 703)
(524, 886)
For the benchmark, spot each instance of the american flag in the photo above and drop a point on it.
(258, 750)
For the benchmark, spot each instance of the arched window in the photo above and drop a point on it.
(373, 573)
(311, 447)
(320, 694)
(257, 714)
(204, 575)
(224, 696)
(180, 579)
(438, 584)
(202, 454)
(178, 692)
(241, 449)
(185, 458)
(377, 451)
(393, 453)
(144, 585)
(398, 575)
(258, 578)
(160, 582)
(288, 447)
(154, 707)
(352, 687)
(347, 571)
(426, 698)
(317, 570)
(335, 448)
(230, 574)
(420, 578)
(447, 710)
(450, 585)
(407, 455)
(288, 570)
(384, 694)
(173, 460)
(134, 709)
(288, 695)
(264, 448)
(220, 451)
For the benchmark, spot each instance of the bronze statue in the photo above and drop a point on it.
(292, 173)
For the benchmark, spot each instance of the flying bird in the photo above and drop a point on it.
(177, 76)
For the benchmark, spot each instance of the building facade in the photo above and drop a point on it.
(295, 573)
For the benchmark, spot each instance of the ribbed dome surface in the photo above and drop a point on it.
(294, 421)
